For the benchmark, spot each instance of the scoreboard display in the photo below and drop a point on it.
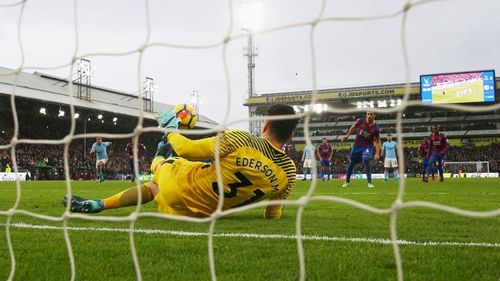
(463, 87)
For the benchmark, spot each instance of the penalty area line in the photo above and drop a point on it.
(258, 236)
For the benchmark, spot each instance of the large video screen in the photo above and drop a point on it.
(477, 86)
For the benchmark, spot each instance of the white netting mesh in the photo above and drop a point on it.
(397, 205)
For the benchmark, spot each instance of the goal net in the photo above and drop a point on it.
(467, 167)
(216, 69)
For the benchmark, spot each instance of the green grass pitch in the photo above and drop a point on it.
(102, 250)
(451, 94)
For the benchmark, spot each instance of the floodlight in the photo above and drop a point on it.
(251, 15)
(382, 103)
(318, 108)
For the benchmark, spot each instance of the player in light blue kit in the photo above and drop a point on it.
(391, 159)
(307, 156)
(100, 149)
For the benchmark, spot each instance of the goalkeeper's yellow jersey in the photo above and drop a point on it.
(252, 170)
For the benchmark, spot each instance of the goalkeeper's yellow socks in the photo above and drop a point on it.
(129, 197)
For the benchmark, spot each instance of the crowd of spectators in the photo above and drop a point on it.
(47, 161)
(331, 132)
(444, 79)
(406, 129)
(44, 161)
(330, 117)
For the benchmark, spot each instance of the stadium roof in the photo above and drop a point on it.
(48, 88)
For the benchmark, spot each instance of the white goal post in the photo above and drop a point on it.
(467, 167)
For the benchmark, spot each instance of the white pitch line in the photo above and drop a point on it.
(260, 236)
(381, 193)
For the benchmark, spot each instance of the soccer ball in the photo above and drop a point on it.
(186, 115)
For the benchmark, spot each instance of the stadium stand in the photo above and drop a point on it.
(36, 91)
(472, 136)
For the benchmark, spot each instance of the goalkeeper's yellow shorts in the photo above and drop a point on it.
(174, 177)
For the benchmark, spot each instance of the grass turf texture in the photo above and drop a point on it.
(41, 253)
(452, 96)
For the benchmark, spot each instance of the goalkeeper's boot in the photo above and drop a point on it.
(424, 179)
(441, 180)
(370, 185)
(82, 205)
(346, 184)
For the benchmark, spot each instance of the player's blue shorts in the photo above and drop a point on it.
(325, 163)
(359, 153)
(131, 163)
(436, 158)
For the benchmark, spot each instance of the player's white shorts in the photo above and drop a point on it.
(390, 163)
(307, 163)
(103, 161)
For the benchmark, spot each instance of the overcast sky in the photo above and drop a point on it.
(444, 36)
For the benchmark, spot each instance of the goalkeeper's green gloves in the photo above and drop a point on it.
(168, 120)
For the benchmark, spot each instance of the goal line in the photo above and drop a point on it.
(369, 240)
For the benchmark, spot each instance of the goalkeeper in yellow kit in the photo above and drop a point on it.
(252, 168)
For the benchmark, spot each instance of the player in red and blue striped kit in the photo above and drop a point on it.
(438, 148)
(367, 136)
(325, 153)
(423, 151)
(129, 154)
